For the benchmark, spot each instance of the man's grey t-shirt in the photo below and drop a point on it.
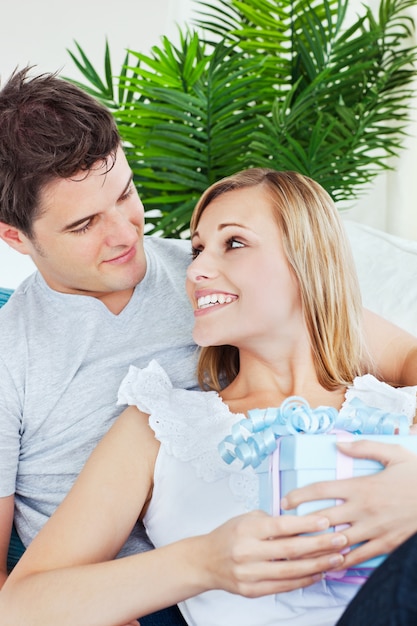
(62, 358)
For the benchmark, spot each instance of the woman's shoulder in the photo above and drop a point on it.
(380, 395)
(190, 424)
(151, 390)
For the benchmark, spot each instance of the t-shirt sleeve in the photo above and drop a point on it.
(10, 431)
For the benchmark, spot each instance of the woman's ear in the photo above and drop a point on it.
(14, 238)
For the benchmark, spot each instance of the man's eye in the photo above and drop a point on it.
(83, 229)
(127, 193)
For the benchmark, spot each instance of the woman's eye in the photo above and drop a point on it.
(194, 253)
(234, 243)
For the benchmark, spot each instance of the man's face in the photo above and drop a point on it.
(89, 237)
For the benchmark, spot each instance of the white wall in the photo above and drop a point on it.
(14, 267)
(39, 32)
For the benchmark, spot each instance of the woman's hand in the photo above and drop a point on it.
(381, 509)
(256, 554)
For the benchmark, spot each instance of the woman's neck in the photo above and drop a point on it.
(264, 383)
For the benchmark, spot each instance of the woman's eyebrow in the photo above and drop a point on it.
(226, 224)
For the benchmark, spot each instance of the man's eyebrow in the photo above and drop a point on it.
(74, 225)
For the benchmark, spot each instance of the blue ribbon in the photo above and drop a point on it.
(253, 439)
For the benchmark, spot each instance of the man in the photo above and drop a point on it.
(104, 297)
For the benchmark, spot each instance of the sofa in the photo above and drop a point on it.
(387, 271)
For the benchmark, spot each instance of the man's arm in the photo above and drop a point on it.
(6, 522)
(392, 349)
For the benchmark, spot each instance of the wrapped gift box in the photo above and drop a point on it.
(302, 459)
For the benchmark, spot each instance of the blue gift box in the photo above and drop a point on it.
(302, 459)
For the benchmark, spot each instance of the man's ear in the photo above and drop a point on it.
(14, 238)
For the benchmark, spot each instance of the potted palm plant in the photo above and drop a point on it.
(262, 83)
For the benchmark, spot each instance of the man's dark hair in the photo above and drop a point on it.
(49, 129)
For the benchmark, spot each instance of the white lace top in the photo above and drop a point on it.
(195, 491)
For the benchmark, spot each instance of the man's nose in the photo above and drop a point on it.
(120, 229)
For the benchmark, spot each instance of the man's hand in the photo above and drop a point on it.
(381, 509)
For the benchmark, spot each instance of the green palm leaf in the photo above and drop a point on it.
(277, 83)
(341, 106)
(177, 131)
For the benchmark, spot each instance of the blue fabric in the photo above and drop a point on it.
(389, 597)
(167, 617)
(4, 295)
(16, 549)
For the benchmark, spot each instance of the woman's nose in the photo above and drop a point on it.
(201, 268)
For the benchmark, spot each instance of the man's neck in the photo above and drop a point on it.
(116, 301)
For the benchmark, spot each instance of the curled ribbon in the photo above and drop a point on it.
(365, 420)
(253, 439)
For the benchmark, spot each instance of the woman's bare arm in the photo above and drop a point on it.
(253, 555)
(393, 350)
(67, 575)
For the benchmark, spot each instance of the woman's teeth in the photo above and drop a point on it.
(213, 298)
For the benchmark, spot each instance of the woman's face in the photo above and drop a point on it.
(240, 283)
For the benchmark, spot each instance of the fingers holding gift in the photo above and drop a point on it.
(261, 526)
(398, 461)
(381, 544)
(332, 490)
(298, 537)
(381, 506)
(271, 577)
(302, 545)
(384, 453)
(255, 553)
(380, 510)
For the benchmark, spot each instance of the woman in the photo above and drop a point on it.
(278, 313)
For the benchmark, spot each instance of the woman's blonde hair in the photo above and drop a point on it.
(319, 254)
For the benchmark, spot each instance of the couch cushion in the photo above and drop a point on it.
(387, 270)
(4, 295)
